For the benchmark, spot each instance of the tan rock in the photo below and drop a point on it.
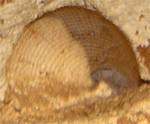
(72, 65)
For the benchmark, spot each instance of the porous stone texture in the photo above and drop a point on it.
(132, 17)
(131, 107)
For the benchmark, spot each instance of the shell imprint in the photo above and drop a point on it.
(63, 56)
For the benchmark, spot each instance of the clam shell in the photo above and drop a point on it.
(66, 53)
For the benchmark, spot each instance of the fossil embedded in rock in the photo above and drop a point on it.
(64, 54)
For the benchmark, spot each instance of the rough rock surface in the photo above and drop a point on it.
(129, 107)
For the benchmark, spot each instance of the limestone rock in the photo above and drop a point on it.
(72, 64)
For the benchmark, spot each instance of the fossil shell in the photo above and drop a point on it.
(69, 51)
